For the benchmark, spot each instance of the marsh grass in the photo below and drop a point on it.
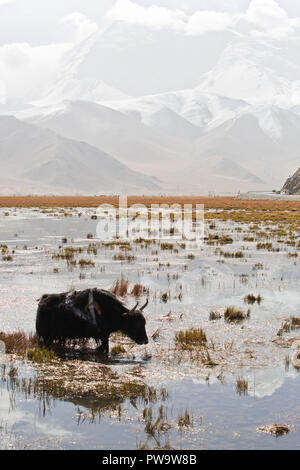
(154, 427)
(295, 323)
(241, 386)
(165, 296)
(92, 249)
(138, 290)
(7, 258)
(166, 246)
(142, 446)
(292, 323)
(86, 263)
(185, 420)
(120, 287)
(264, 246)
(227, 254)
(275, 429)
(155, 336)
(124, 257)
(203, 357)
(41, 355)
(225, 240)
(19, 341)
(68, 253)
(78, 382)
(257, 266)
(186, 339)
(214, 316)
(117, 350)
(234, 315)
(287, 362)
(251, 299)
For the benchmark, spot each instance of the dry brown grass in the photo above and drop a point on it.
(190, 338)
(18, 342)
(95, 201)
(271, 215)
(241, 386)
(120, 287)
(233, 314)
(138, 290)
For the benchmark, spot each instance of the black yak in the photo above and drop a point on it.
(91, 313)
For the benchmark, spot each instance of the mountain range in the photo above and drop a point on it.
(237, 130)
(36, 160)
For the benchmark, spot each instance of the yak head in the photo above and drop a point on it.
(134, 324)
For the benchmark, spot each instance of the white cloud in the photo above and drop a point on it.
(5, 2)
(84, 27)
(204, 21)
(270, 18)
(157, 17)
(152, 17)
(263, 17)
(27, 72)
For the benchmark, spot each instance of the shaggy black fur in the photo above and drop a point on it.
(72, 316)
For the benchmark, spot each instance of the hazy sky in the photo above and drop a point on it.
(137, 46)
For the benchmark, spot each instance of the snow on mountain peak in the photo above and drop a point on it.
(257, 74)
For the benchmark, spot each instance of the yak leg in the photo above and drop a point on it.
(45, 341)
(104, 345)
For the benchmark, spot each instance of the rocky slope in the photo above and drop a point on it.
(292, 184)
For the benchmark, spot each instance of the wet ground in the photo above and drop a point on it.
(198, 402)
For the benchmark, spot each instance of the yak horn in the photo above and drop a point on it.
(133, 309)
(145, 305)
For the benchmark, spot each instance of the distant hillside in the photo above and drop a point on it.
(40, 161)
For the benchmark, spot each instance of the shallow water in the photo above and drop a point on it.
(221, 418)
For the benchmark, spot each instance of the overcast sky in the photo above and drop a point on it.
(136, 46)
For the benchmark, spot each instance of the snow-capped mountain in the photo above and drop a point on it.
(40, 161)
(254, 73)
(242, 152)
(238, 129)
(203, 110)
(70, 85)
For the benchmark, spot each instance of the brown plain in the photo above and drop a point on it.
(225, 203)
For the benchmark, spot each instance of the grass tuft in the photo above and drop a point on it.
(233, 314)
(190, 338)
(120, 287)
(116, 350)
(251, 299)
(241, 386)
(41, 355)
(19, 341)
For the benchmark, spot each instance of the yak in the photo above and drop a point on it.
(91, 313)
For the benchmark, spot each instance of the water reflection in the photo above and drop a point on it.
(48, 385)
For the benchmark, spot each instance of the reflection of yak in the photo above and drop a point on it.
(91, 313)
